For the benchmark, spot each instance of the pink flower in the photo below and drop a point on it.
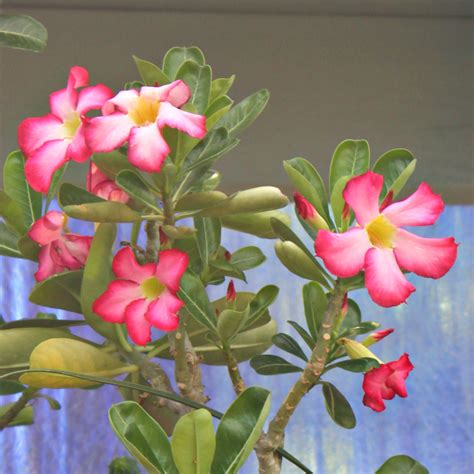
(144, 295)
(381, 247)
(100, 185)
(59, 251)
(50, 141)
(308, 213)
(377, 336)
(231, 295)
(386, 381)
(139, 117)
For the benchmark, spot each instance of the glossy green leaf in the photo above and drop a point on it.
(61, 291)
(199, 200)
(225, 268)
(258, 305)
(28, 248)
(315, 304)
(25, 417)
(97, 275)
(259, 224)
(220, 87)
(42, 323)
(247, 258)
(353, 316)
(18, 189)
(360, 328)
(107, 211)
(355, 365)
(196, 301)
(240, 429)
(244, 113)
(337, 200)
(268, 364)
(143, 437)
(112, 163)
(22, 32)
(52, 402)
(230, 322)
(9, 387)
(150, 73)
(351, 158)
(55, 182)
(8, 242)
(286, 343)
(304, 334)
(69, 195)
(208, 236)
(123, 465)
(338, 407)
(176, 57)
(193, 443)
(137, 188)
(198, 79)
(401, 464)
(216, 110)
(12, 214)
(191, 248)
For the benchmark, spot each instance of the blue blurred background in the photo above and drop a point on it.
(434, 424)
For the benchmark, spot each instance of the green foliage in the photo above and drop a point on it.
(198, 79)
(137, 188)
(315, 304)
(355, 365)
(268, 364)
(42, 323)
(9, 387)
(12, 214)
(247, 258)
(259, 224)
(25, 417)
(208, 237)
(22, 32)
(124, 465)
(8, 242)
(338, 407)
(176, 57)
(286, 343)
(150, 73)
(401, 464)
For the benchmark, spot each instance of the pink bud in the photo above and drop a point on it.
(376, 336)
(227, 255)
(346, 212)
(231, 294)
(344, 306)
(387, 201)
(308, 213)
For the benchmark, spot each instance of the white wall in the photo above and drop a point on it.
(396, 81)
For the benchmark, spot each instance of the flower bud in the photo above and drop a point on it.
(356, 350)
(231, 295)
(308, 213)
(376, 336)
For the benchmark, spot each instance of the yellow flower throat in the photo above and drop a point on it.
(381, 232)
(145, 111)
(152, 288)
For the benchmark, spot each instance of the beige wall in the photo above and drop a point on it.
(395, 81)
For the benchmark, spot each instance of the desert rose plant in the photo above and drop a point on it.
(148, 153)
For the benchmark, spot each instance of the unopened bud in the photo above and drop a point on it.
(346, 212)
(387, 201)
(231, 293)
(356, 350)
(345, 306)
(227, 255)
(308, 213)
(376, 336)
(163, 238)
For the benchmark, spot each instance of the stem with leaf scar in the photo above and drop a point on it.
(16, 408)
(234, 371)
(268, 457)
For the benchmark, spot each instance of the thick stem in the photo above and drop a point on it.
(234, 372)
(152, 230)
(16, 408)
(266, 448)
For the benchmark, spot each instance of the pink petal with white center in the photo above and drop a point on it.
(171, 266)
(362, 194)
(423, 207)
(384, 280)
(78, 149)
(35, 131)
(343, 254)
(92, 98)
(375, 390)
(48, 228)
(177, 93)
(64, 101)
(192, 124)
(104, 134)
(147, 148)
(431, 258)
(42, 164)
(111, 305)
(125, 266)
(138, 327)
(162, 312)
(78, 246)
(46, 265)
(122, 102)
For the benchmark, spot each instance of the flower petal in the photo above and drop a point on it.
(177, 93)
(431, 258)
(94, 97)
(111, 304)
(48, 228)
(162, 311)
(35, 131)
(122, 102)
(63, 102)
(374, 386)
(362, 194)
(46, 265)
(78, 77)
(106, 133)
(138, 327)
(343, 254)
(125, 266)
(172, 264)
(400, 370)
(78, 246)
(42, 164)
(147, 148)
(78, 149)
(423, 207)
(385, 282)
(192, 124)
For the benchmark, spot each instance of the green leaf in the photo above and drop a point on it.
(337, 200)
(353, 316)
(361, 328)
(143, 437)
(150, 73)
(198, 79)
(124, 465)
(225, 268)
(69, 195)
(22, 32)
(268, 364)
(196, 301)
(199, 200)
(107, 211)
(42, 323)
(355, 365)
(16, 186)
(240, 429)
(28, 248)
(244, 113)
(338, 407)
(193, 443)
(396, 166)
(351, 158)
(216, 110)
(247, 258)
(112, 163)
(259, 304)
(230, 322)
(401, 464)
(97, 275)
(9, 387)
(25, 417)
(286, 343)
(220, 87)
(175, 57)
(309, 183)
(137, 188)
(55, 182)
(8, 242)
(208, 236)
(315, 304)
(52, 402)
(12, 214)
(310, 342)
(60, 291)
